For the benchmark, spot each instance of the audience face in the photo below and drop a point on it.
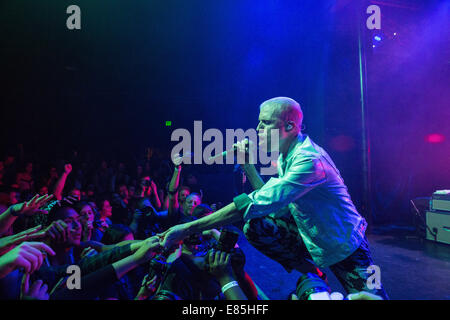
(123, 192)
(14, 197)
(76, 193)
(86, 214)
(184, 193)
(74, 230)
(191, 202)
(53, 173)
(128, 237)
(131, 191)
(106, 209)
(43, 190)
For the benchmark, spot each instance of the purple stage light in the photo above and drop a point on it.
(435, 138)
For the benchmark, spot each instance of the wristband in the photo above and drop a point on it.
(14, 213)
(242, 201)
(229, 285)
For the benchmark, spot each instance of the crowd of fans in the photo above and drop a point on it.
(105, 220)
(78, 230)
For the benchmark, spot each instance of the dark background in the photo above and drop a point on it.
(111, 86)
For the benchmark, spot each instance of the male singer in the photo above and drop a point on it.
(305, 217)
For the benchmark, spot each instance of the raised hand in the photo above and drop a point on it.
(177, 160)
(15, 239)
(37, 291)
(28, 256)
(67, 168)
(31, 207)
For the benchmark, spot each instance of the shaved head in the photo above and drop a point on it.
(284, 109)
(282, 117)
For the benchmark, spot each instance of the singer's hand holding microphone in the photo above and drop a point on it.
(246, 146)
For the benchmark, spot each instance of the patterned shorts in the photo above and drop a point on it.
(279, 239)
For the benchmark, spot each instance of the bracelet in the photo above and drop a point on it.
(230, 285)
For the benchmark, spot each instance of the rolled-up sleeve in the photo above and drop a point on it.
(303, 175)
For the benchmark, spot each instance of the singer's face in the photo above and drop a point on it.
(268, 121)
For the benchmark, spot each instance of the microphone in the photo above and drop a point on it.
(224, 154)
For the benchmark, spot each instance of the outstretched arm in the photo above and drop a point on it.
(28, 208)
(59, 187)
(174, 184)
(226, 215)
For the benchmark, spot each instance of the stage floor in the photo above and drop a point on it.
(411, 268)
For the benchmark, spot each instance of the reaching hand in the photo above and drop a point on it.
(15, 239)
(31, 207)
(28, 255)
(147, 249)
(148, 287)
(68, 200)
(220, 264)
(38, 290)
(173, 236)
(57, 231)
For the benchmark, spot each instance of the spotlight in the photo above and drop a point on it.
(435, 138)
(377, 38)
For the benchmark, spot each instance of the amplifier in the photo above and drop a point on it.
(440, 200)
(439, 223)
